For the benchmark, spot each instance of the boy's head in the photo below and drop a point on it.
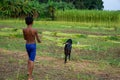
(28, 20)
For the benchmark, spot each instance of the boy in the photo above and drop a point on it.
(30, 35)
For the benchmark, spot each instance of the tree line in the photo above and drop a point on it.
(80, 4)
(44, 8)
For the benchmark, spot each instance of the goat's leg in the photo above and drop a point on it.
(69, 56)
(65, 58)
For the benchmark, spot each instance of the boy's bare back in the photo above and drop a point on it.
(30, 35)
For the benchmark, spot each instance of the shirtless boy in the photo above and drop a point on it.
(30, 35)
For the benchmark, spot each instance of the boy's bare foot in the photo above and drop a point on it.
(30, 78)
(28, 74)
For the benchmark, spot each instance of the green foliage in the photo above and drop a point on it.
(86, 76)
(93, 4)
(80, 4)
(113, 38)
(114, 62)
(88, 16)
(11, 32)
(19, 8)
(42, 9)
(61, 5)
(48, 10)
(82, 36)
(54, 34)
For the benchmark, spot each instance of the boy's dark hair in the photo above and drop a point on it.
(29, 20)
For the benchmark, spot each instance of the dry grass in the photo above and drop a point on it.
(13, 67)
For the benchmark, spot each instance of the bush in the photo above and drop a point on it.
(114, 62)
(113, 38)
(19, 8)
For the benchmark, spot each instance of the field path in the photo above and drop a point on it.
(13, 66)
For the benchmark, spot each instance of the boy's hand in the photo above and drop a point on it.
(39, 41)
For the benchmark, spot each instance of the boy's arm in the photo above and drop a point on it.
(24, 34)
(37, 37)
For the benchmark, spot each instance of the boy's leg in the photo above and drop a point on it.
(28, 66)
(31, 66)
(31, 54)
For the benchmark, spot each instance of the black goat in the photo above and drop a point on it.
(67, 49)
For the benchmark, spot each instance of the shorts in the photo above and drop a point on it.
(31, 50)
